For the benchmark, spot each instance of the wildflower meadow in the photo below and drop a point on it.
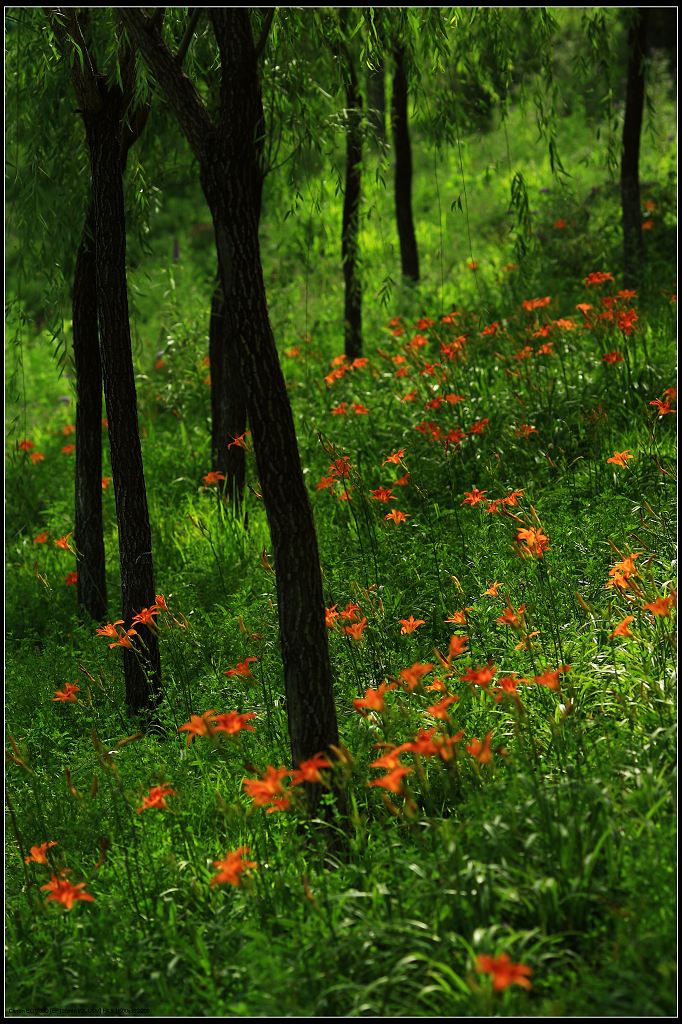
(358, 698)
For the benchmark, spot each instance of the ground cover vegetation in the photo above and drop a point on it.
(349, 689)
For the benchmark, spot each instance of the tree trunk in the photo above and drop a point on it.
(231, 176)
(228, 401)
(351, 217)
(88, 529)
(409, 257)
(633, 245)
(141, 666)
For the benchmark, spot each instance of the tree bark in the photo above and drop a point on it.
(88, 529)
(228, 401)
(142, 669)
(228, 153)
(633, 244)
(351, 215)
(409, 257)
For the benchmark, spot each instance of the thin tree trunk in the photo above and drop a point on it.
(88, 529)
(633, 244)
(228, 401)
(351, 216)
(141, 666)
(409, 257)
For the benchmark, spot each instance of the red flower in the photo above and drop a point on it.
(373, 699)
(409, 625)
(156, 798)
(214, 477)
(383, 494)
(481, 750)
(309, 771)
(268, 790)
(232, 722)
(414, 674)
(598, 277)
(62, 891)
(474, 497)
(531, 304)
(38, 854)
(232, 866)
(41, 538)
(503, 972)
(243, 668)
(68, 694)
(479, 676)
(393, 781)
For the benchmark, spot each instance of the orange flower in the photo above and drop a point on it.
(481, 751)
(460, 617)
(621, 458)
(360, 410)
(612, 357)
(161, 603)
(560, 224)
(26, 445)
(409, 625)
(373, 699)
(63, 543)
(356, 630)
(268, 790)
(156, 798)
(411, 676)
(243, 668)
(62, 891)
(199, 725)
(38, 854)
(533, 542)
(660, 608)
(598, 277)
(402, 481)
(525, 430)
(440, 710)
(458, 645)
(393, 781)
(512, 618)
(531, 304)
(503, 972)
(622, 628)
(664, 407)
(383, 494)
(551, 679)
(106, 480)
(506, 688)
(41, 538)
(68, 449)
(36, 457)
(232, 722)
(146, 616)
(239, 441)
(309, 771)
(397, 516)
(340, 410)
(493, 589)
(68, 694)
(214, 477)
(109, 629)
(71, 579)
(232, 866)
(474, 496)
(480, 676)
(124, 639)
(647, 225)
(394, 457)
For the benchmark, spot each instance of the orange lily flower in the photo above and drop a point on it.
(232, 866)
(621, 458)
(62, 891)
(269, 789)
(68, 694)
(409, 625)
(156, 798)
(503, 972)
(37, 854)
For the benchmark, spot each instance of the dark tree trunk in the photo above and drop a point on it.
(409, 257)
(88, 529)
(228, 401)
(229, 158)
(633, 245)
(142, 666)
(351, 216)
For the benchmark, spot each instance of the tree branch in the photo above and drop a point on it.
(265, 31)
(187, 37)
(194, 119)
(72, 43)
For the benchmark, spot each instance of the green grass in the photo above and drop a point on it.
(560, 851)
